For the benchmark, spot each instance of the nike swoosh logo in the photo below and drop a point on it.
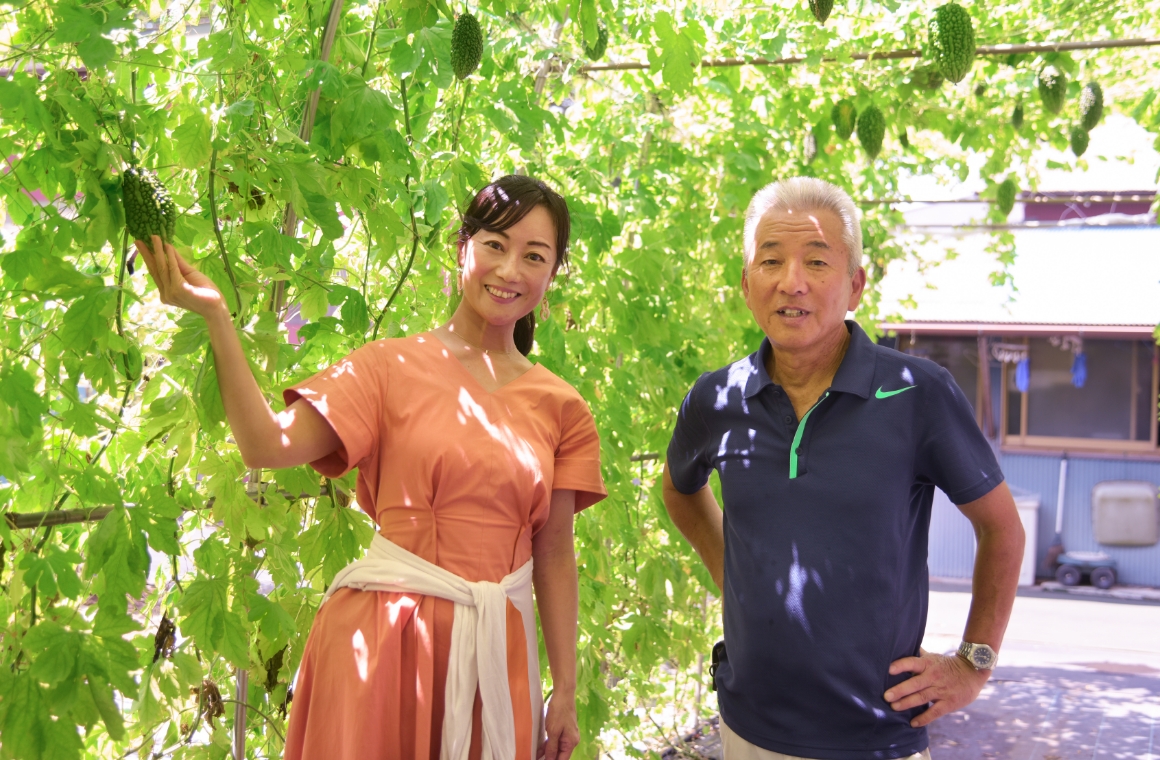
(887, 394)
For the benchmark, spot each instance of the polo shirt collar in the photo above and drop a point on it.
(855, 374)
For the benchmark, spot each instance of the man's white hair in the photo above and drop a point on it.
(806, 194)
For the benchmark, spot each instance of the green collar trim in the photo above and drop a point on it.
(797, 437)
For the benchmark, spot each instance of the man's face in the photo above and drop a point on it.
(797, 284)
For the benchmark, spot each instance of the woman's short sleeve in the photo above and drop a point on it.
(349, 395)
(578, 457)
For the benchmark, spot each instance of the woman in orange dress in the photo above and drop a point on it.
(473, 462)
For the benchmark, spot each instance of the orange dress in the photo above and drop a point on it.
(459, 476)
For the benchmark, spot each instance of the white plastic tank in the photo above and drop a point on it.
(1125, 513)
(1028, 505)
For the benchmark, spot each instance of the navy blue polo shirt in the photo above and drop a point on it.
(826, 523)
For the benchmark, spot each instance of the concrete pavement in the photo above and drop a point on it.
(1077, 679)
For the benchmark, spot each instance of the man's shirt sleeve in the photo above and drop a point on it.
(953, 452)
(688, 461)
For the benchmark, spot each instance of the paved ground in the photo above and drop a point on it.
(1078, 678)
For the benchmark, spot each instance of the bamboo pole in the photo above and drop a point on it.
(290, 217)
(982, 50)
(1033, 198)
(33, 520)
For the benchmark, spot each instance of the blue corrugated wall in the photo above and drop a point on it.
(951, 553)
(952, 540)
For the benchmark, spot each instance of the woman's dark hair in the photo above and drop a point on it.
(502, 204)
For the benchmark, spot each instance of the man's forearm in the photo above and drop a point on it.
(997, 561)
(699, 520)
(993, 587)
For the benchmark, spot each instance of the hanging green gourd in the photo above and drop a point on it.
(466, 45)
(1091, 105)
(596, 51)
(952, 40)
(1079, 140)
(1005, 196)
(821, 9)
(844, 115)
(871, 130)
(1052, 89)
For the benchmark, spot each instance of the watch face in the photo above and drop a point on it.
(982, 657)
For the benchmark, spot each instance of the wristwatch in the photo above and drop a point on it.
(980, 656)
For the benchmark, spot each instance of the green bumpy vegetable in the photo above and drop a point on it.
(810, 149)
(466, 45)
(844, 116)
(1017, 116)
(1006, 195)
(148, 208)
(1079, 140)
(871, 130)
(596, 52)
(1091, 105)
(952, 39)
(821, 9)
(1052, 89)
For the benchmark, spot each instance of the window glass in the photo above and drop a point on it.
(1100, 409)
(1014, 404)
(1145, 404)
(960, 356)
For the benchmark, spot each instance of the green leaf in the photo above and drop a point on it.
(102, 696)
(192, 139)
(275, 623)
(676, 54)
(56, 650)
(315, 303)
(87, 319)
(355, 319)
(18, 390)
(96, 51)
(210, 622)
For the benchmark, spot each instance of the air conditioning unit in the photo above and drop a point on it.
(1125, 513)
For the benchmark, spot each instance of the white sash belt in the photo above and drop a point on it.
(478, 642)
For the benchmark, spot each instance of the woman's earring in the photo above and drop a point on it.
(545, 310)
(459, 280)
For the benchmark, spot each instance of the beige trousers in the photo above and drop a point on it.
(733, 747)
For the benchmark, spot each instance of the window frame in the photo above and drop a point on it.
(1023, 440)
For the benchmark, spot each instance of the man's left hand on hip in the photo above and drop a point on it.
(947, 683)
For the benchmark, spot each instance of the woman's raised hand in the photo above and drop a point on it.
(178, 283)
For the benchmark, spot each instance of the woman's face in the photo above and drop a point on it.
(506, 273)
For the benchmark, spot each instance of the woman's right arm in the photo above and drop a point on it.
(266, 439)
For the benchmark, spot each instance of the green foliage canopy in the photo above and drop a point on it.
(108, 401)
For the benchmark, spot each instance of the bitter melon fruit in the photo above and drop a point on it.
(466, 45)
(596, 51)
(844, 116)
(821, 9)
(952, 40)
(1091, 105)
(1052, 89)
(148, 208)
(1079, 140)
(1006, 195)
(871, 130)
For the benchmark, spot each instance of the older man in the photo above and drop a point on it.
(829, 449)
